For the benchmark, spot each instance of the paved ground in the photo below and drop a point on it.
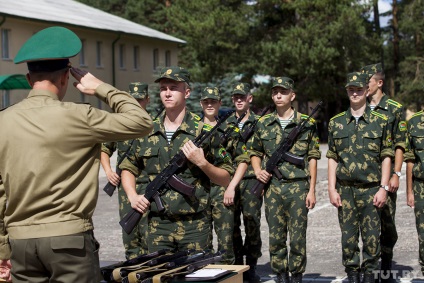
(323, 236)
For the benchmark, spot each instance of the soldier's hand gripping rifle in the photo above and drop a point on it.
(168, 177)
(110, 188)
(249, 131)
(282, 153)
(224, 137)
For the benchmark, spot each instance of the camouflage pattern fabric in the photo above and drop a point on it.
(135, 242)
(396, 119)
(152, 154)
(359, 150)
(285, 207)
(246, 205)
(415, 153)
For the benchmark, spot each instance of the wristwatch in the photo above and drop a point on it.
(398, 174)
(385, 187)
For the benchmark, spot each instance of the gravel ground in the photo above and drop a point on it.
(323, 236)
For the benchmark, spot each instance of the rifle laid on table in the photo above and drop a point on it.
(230, 129)
(168, 178)
(249, 131)
(110, 188)
(282, 153)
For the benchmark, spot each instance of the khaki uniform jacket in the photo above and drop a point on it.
(50, 156)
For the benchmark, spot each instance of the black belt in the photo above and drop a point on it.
(359, 184)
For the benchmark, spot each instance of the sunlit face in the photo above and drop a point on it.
(242, 102)
(173, 93)
(373, 85)
(282, 97)
(210, 106)
(357, 95)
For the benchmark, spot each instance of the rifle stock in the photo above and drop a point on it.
(154, 188)
(282, 152)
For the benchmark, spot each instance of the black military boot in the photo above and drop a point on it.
(283, 277)
(386, 275)
(353, 276)
(296, 278)
(250, 275)
(369, 278)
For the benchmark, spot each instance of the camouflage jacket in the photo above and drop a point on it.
(396, 119)
(241, 148)
(153, 153)
(269, 135)
(415, 147)
(359, 149)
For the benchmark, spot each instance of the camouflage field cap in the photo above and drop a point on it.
(356, 79)
(211, 92)
(139, 90)
(49, 49)
(241, 88)
(283, 82)
(174, 73)
(372, 69)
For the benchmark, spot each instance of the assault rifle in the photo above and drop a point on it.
(168, 177)
(249, 131)
(224, 137)
(282, 152)
(110, 188)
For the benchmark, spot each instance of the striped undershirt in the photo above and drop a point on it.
(169, 135)
(284, 123)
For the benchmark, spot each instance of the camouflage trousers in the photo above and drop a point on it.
(179, 232)
(287, 216)
(134, 243)
(389, 235)
(222, 220)
(358, 216)
(249, 206)
(419, 217)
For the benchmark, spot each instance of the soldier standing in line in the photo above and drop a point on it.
(381, 103)
(238, 192)
(414, 157)
(185, 223)
(134, 243)
(49, 191)
(359, 158)
(287, 201)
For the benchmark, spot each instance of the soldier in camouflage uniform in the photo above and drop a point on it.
(288, 200)
(381, 103)
(359, 159)
(414, 157)
(222, 217)
(184, 224)
(238, 192)
(134, 243)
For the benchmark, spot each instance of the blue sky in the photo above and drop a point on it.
(384, 6)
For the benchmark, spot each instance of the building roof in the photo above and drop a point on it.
(77, 14)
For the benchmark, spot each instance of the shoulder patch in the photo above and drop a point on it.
(394, 103)
(339, 115)
(265, 116)
(257, 116)
(402, 126)
(304, 116)
(195, 116)
(419, 113)
(382, 116)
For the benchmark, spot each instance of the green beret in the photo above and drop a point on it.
(139, 90)
(211, 92)
(372, 69)
(357, 79)
(175, 73)
(283, 82)
(49, 49)
(241, 88)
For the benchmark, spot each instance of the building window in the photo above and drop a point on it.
(5, 44)
(5, 99)
(99, 54)
(155, 58)
(122, 56)
(168, 58)
(136, 58)
(82, 54)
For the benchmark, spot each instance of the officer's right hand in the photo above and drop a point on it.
(86, 82)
